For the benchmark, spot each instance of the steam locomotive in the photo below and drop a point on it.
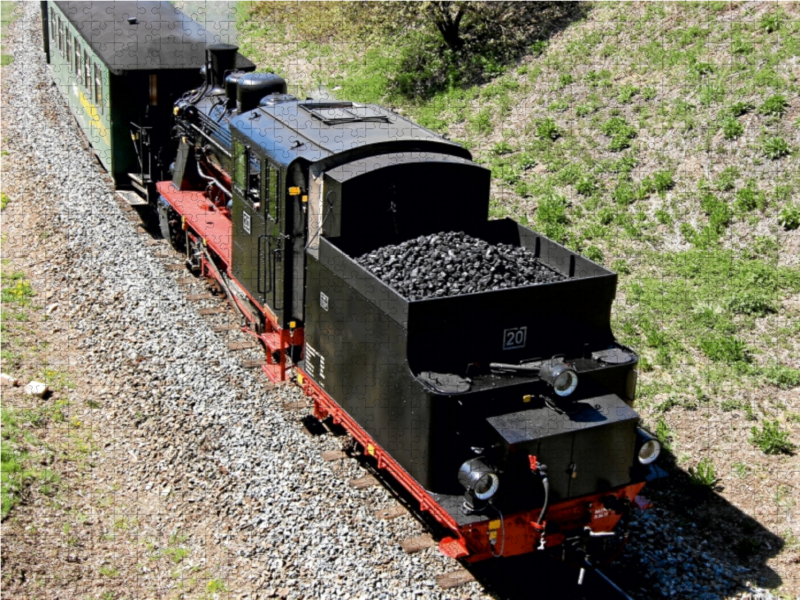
(507, 414)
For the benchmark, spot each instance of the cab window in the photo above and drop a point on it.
(239, 166)
(254, 181)
(273, 185)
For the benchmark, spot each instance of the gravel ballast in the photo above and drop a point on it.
(209, 436)
(454, 263)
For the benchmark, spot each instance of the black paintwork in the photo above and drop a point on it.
(365, 345)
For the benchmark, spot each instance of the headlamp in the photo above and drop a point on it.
(480, 481)
(649, 448)
(562, 379)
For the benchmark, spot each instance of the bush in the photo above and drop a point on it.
(771, 439)
(731, 128)
(789, 218)
(620, 132)
(565, 79)
(546, 129)
(775, 147)
(774, 105)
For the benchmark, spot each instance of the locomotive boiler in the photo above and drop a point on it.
(505, 410)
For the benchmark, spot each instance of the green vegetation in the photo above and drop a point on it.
(9, 12)
(775, 147)
(620, 132)
(774, 105)
(4, 200)
(703, 475)
(22, 451)
(789, 217)
(546, 129)
(771, 439)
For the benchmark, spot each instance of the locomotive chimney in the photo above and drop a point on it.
(251, 88)
(222, 60)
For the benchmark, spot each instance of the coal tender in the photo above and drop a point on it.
(474, 359)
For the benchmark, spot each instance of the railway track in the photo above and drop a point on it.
(224, 320)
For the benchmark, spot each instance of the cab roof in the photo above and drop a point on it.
(335, 132)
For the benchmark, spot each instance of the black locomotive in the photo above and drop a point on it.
(507, 412)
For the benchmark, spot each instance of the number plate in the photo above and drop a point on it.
(246, 222)
(323, 302)
(515, 338)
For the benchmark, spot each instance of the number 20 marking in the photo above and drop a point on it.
(515, 338)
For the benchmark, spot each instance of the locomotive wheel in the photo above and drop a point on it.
(169, 222)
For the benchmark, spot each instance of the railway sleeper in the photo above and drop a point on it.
(454, 579)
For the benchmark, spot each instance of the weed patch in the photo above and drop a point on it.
(775, 147)
(546, 129)
(771, 439)
(703, 475)
(620, 132)
(789, 217)
(774, 105)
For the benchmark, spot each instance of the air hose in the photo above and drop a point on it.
(542, 470)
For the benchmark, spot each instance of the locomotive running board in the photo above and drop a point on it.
(131, 198)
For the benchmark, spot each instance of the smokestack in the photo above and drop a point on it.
(221, 59)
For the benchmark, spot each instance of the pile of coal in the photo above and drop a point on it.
(454, 263)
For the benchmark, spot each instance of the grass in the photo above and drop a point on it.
(8, 14)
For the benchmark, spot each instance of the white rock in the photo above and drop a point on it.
(51, 308)
(36, 388)
(8, 380)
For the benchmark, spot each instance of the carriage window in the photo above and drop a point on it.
(87, 72)
(69, 51)
(77, 66)
(61, 36)
(53, 26)
(98, 88)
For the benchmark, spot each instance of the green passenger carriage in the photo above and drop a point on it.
(121, 66)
